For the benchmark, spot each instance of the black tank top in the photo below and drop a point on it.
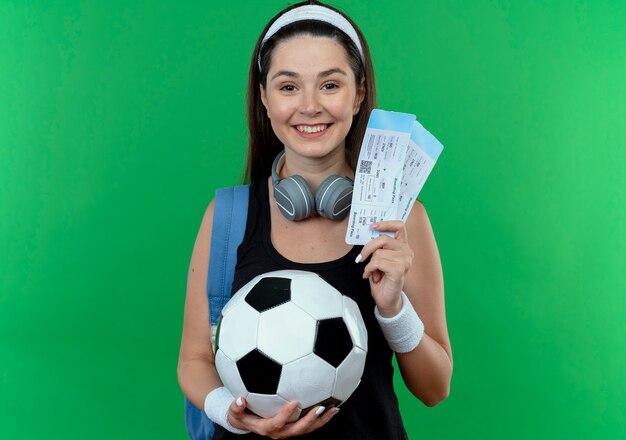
(372, 410)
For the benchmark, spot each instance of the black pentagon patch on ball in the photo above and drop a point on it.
(268, 293)
(217, 332)
(259, 373)
(332, 342)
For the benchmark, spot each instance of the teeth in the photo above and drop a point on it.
(311, 129)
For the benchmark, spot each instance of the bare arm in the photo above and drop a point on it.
(196, 364)
(410, 262)
(427, 370)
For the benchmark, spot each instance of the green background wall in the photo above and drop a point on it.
(119, 119)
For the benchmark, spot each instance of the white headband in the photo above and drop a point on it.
(313, 12)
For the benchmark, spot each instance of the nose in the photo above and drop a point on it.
(310, 104)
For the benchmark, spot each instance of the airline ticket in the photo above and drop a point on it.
(396, 157)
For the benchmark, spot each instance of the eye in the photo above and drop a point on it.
(330, 86)
(288, 88)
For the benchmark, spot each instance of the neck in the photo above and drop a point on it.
(315, 169)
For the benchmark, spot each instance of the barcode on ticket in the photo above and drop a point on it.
(366, 167)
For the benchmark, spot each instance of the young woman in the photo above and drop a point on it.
(310, 93)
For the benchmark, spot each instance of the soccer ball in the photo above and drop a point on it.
(289, 335)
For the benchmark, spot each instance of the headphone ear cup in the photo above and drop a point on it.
(294, 198)
(334, 197)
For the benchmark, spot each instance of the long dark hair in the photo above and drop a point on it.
(263, 145)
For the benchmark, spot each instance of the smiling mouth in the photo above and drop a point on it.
(312, 128)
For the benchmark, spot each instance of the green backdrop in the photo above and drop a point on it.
(119, 119)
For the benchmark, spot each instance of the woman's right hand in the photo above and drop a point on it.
(278, 426)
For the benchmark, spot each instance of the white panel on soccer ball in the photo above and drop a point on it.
(239, 296)
(268, 405)
(284, 345)
(316, 296)
(229, 374)
(354, 321)
(349, 374)
(308, 380)
(238, 331)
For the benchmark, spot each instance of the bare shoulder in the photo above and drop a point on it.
(202, 246)
(425, 278)
(418, 227)
(418, 211)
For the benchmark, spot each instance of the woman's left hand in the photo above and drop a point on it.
(387, 269)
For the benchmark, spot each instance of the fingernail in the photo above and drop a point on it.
(374, 225)
(320, 410)
(358, 258)
(239, 402)
(336, 411)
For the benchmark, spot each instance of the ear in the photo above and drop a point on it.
(264, 99)
(360, 96)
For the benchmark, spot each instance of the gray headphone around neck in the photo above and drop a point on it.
(295, 199)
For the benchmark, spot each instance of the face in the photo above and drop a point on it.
(311, 95)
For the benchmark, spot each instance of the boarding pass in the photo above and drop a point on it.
(397, 155)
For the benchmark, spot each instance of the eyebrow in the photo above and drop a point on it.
(323, 74)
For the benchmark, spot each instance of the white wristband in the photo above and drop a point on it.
(403, 331)
(216, 405)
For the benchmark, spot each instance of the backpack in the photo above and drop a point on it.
(229, 225)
